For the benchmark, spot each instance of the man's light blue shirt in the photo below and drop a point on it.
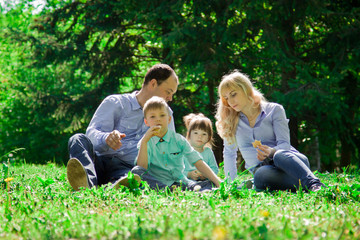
(208, 157)
(123, 113)
(166, 158)
(271, 128)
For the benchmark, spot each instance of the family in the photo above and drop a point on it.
(136, 132)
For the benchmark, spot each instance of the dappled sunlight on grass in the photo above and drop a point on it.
(41, 204)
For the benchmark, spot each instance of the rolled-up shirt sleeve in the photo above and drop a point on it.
(103, 122)
(230, 155)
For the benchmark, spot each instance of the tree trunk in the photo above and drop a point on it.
(352, 100)
(345, 159)
(293, 126)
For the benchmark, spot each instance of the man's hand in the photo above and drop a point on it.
(114, 139)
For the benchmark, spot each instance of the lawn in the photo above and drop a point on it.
(38, 203)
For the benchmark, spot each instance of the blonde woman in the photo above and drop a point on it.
(259, 129)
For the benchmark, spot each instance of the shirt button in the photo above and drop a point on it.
(163, 152)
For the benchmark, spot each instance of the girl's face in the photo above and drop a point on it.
(198, 138)
(236, 99)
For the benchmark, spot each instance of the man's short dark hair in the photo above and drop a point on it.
(160, 72)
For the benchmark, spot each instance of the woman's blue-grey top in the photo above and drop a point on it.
(271, 128)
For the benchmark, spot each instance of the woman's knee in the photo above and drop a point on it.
(281, 154)
(284, 155)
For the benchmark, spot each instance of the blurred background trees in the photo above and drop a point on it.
(59, 62)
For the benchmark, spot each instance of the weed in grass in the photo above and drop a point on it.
(46, 186)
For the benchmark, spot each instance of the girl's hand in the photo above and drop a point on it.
(201, 177)
(194, 175)
(264, 151)
(152, 131)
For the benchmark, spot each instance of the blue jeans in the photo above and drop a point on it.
(100, 169)
(156, 184)
(285, 172)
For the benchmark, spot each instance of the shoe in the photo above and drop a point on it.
(248, 184)
(316, 187)
(76, 174)
(124, 181)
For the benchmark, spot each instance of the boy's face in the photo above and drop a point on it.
(158, 117)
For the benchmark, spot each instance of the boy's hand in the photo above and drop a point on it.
(114, 139)
(152, 131)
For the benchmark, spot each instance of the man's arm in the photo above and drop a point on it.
(102, 123)
(207, 172)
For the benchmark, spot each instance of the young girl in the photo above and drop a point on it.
(259, 129)
(200, 136)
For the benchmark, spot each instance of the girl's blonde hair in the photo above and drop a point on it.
(227, 118)
(199, 121)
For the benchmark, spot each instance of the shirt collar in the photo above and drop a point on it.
(166, 137)
(133, 101)
(262, 111)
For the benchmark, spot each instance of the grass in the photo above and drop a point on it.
(40, 204)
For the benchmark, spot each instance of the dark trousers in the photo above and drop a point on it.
(156, 184)
(100, 169)
(286, 171)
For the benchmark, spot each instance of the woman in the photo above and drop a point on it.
(243, 116)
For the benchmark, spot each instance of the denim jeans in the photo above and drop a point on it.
(156, 184)
(100, 169)
(285, 172)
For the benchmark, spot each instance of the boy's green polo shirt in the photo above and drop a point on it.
(166, 158)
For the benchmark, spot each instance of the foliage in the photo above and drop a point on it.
(61, 62)
(34, 208)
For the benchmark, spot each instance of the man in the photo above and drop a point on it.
(107, 151)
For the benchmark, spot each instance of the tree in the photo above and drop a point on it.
(303, 55)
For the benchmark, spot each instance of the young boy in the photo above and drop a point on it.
(160, 161)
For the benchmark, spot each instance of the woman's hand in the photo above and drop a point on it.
(264, 151)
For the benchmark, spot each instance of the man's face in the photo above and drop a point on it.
(167, 88)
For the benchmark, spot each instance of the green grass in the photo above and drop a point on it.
(40, 204)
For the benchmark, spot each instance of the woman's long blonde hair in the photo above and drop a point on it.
(227, 118)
